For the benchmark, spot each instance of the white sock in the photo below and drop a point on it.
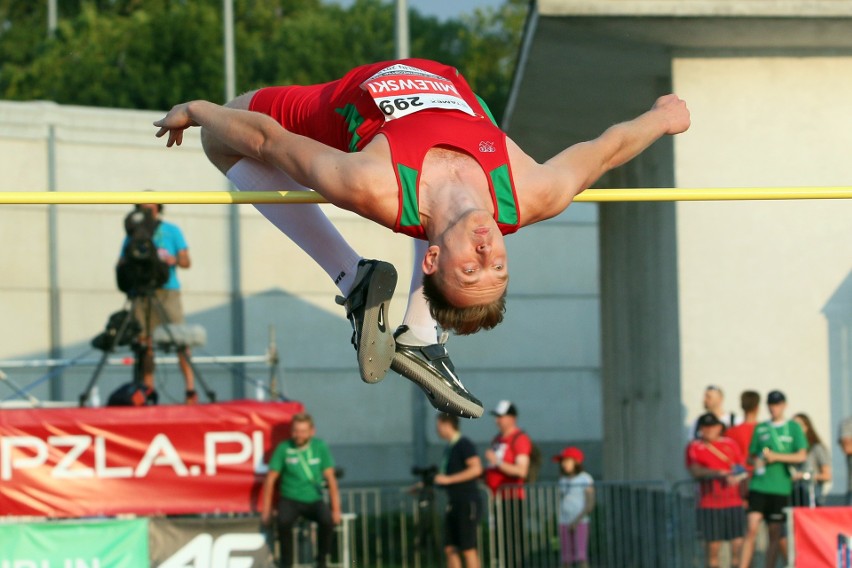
(305, 224)
(420, 323)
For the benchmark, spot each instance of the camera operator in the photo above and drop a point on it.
(460, 468)
(174, 252)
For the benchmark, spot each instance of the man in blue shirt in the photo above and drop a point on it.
(174, 252)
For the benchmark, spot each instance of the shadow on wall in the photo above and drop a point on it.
(309, 340)
(838, 312)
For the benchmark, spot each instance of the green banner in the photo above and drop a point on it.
(95, 544)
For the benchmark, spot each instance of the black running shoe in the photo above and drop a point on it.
(430, 368)
(367, 309)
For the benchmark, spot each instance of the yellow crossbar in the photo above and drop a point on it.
(241, 197)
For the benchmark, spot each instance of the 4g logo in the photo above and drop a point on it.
(207, 551)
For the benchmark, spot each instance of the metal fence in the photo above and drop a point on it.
(633, 525)
(844, 551)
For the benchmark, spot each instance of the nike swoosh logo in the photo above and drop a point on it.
(381, 319)
(453, 376)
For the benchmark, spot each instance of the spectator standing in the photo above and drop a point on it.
(742, 432)
(577, 499)
(508, 461)
(173, 250)
(458, 474)
(844, 438)
(813, 477)
(714, 402)
(776, 445)
(717, 463)
(299, 466)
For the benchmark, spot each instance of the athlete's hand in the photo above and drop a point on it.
(175, 122)
(675, 113)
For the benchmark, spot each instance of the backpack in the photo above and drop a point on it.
(122, 321)
(535, 458)
(535, 463)
(133, 394)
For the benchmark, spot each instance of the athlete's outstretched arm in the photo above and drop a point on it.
(340, 177)
(575, 169)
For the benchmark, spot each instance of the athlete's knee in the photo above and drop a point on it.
(243, 101)
(220, 154)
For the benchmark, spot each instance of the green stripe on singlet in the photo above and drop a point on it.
(410, 209)
(507, 211)
(353, 120)
(486, 109)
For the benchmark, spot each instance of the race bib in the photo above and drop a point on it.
(400, 90)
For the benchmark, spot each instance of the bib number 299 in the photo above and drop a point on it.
(389, 106)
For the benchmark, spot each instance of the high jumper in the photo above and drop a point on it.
(408, 145)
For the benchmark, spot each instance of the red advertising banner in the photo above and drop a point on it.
(78, 462)
(815, 534)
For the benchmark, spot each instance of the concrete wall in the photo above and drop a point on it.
(743, 295)
(756, 279)
(576, 85)
(545, 357)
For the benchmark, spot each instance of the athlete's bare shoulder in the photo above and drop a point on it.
(375, 192)
(535, 185)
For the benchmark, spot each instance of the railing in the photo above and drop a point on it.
(633, 525)
(844, 551)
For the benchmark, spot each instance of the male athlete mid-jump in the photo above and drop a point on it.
(407, 144)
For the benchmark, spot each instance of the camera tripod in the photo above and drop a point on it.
(426, 533)
(141, 349)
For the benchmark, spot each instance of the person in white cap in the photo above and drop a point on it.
(508, 464)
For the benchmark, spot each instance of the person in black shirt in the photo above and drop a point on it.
(459, 470)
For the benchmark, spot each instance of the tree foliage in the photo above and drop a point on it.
(152, 54)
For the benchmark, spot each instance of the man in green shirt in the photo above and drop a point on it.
(775, 446)
(300, 466)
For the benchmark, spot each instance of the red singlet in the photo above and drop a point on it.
(416, 104)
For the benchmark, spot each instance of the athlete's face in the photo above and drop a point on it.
(471, 267)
